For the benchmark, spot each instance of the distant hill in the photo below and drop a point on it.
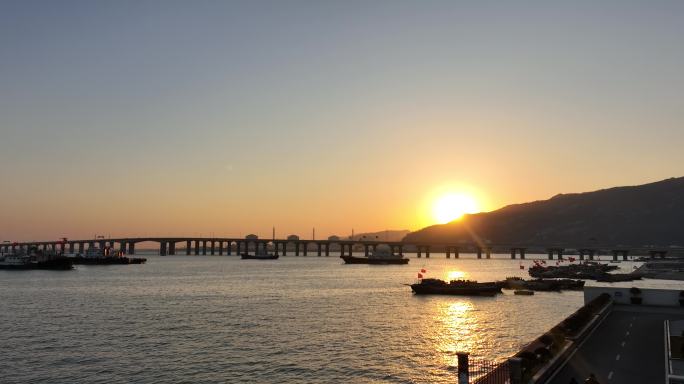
(649, 214)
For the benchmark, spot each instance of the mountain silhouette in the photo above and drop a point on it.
(645, 215)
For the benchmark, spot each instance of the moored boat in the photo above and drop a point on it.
(455, 287)
(259, 255)
(105, 256)
(382, 255)
(35, 259)
(523, 292)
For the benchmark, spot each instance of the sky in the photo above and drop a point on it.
(224, 118)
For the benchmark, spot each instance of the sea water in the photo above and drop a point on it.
(217, 319)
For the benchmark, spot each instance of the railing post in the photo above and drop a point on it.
(515, 370)
(463, 377)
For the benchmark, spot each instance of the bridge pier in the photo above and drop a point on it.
(238, 248)
(320, 249)
(204, 247)
(297, 248)
(172, 248)
(327, 249)
(488, 252)
(220, 247)
(188, 247)
(618, 252)
(657, 253)
(515, 250)
(212, 247)
(162, 248)
(479, 252)
(197, 247)
(131, 248)
(306, 249)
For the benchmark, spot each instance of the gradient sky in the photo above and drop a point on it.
(131, 118)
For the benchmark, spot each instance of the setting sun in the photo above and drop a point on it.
(452, 207)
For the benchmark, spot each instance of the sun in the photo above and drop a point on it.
(452, 207)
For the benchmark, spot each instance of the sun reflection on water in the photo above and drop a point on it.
(458, 323)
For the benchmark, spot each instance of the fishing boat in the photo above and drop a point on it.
(105, 256)
(35, 259)
(523, 292)
(259, 255)
(382, 255)
(455, 287)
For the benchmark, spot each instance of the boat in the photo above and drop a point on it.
(585, 271)
(517, 283)
(672, 269)
(523, 292)
(455, 287)
(105, 256)
(259, 255)
(618, 277)
(35, 259)
(382, 255)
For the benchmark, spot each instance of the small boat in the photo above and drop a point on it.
(35, 259)
(523, 292)
(455, 287)
(259, 255)
(382, 255)
(106, 256)
(373, 261)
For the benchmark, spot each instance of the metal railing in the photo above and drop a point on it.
(488, 372)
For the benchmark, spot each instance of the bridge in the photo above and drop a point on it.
(251, 243)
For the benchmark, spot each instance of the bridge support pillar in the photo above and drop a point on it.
(212, 245)
(457, 253)
(513, 253)
(197, 247)
(162, 248)
(479, 252)
(320, 249)
(427, 251)
(327, 249)
(220, 243)
(71, 248)
(366, 250)
(488, 253)
(204, 247)
(188, 247)
(131, 248)
(172, 248)
(297, 249)
(448, 252)
(306, 249)
(615, 255)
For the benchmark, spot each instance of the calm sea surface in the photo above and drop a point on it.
(212, 319)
